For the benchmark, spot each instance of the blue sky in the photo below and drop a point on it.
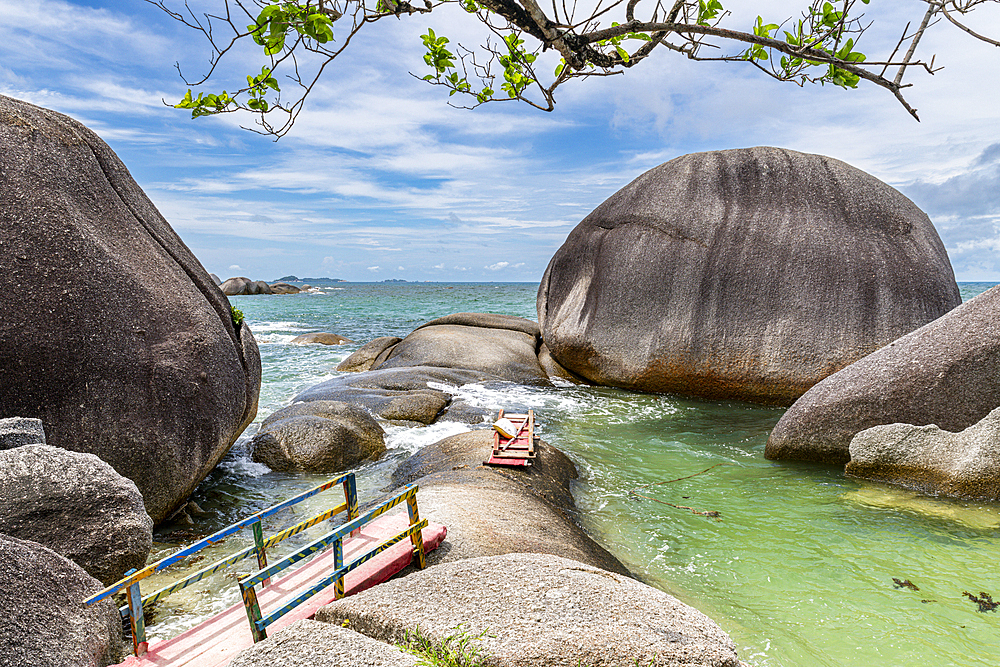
(382, 179)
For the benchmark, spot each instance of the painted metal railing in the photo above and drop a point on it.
(135, 602)
(334, 539)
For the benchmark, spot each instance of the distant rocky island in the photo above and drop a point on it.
(294, 279)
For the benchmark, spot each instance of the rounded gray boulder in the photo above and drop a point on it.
(113, 334)
(501, 345)
(932, 460)
(309, 443)
(45, 622)
(746, 274)
(322, 338)
(76, 505)
(309, 643)
(363, 358)
(945, 373)
(526, 610)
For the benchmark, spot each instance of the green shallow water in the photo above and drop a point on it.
(797, 567)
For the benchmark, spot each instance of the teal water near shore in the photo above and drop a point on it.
(797, 567)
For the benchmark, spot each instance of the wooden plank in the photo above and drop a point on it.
(216, 642)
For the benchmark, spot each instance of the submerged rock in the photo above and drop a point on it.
(526, 610)
(746, 274)
(339, 438)
(20, 431)
(396, 394)
(309, 643)
(498, 510)
(945, 373)
(76, 505)
(112, 333)
(45, 622)
(322, 338)
(931, 460)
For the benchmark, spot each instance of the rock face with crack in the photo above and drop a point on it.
(945, 373)
(746, 274)
(931, 460)
(45, 621)
(525, 610)
(76, 505)
(113, 334)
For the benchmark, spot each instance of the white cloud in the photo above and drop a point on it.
(498, 266)
(235, 267)
(373, 269)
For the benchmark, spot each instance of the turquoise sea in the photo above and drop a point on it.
(798, 567)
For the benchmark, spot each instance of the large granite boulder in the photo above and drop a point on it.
(284, 288)
(501, 345)
(309, 643)
(329, 438)
(112, 333)
(236, 286)
(76, 505)
(928, 459)
(526, 610)
(498, 510)
(400, 394)
(746, 274)
(44, 620)
(20, 431)
(945, 373)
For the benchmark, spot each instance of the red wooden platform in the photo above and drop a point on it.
(518, 450)
(216, 641)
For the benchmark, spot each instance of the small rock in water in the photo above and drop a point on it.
(905, 583)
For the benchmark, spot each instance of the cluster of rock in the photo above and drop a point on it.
(876, 414)
(516, 577)
(69, 525)
(245, 286)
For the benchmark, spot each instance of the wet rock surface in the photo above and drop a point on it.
(396, 394)
(747, 274)
(76, 505)
(526, 610)
(945, 373)
(321, 338)
(113, 333)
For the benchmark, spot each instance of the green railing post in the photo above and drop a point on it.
(338, 562)
(258, 540)
(351, 496)
(253, 612)
(417, 537)
(136, 619)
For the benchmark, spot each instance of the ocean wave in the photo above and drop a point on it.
(412, 440)
(256, 327)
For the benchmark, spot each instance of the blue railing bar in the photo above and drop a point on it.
(194, 548)
(337, 574)
(327, 539)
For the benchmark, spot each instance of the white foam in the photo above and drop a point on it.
(256, 327)
(412, 440)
